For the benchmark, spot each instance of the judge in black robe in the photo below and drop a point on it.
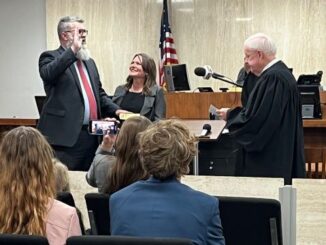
(269, 127)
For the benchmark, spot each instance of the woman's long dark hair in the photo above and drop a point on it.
(128, 168)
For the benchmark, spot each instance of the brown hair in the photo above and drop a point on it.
(166, 149)
(149, 68)
(128, 167)
(61, 176)
(26, 181)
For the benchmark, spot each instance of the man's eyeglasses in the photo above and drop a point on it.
(81, 31)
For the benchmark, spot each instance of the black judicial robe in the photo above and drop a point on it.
(269, 127)
(248, 81)
(248, 85)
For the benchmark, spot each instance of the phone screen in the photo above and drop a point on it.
(100, 127)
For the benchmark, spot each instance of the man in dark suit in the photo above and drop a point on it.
(162, 206)
(74, 96)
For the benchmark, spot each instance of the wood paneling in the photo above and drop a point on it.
(196, 105)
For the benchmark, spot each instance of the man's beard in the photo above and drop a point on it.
(83, 53)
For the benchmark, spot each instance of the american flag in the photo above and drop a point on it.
(167, 48)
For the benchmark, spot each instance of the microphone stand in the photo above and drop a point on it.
(227, 81)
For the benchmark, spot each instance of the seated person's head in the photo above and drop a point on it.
(61, 176)
(26, 181)
(166, 149)
(127, 138)
(128, 167)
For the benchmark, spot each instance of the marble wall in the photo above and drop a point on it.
(205, 32)
(311, 211)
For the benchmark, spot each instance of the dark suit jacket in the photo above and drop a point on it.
(62, 116)
(154, 105)
(155, 208)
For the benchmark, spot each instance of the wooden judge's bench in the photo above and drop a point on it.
(196, 105)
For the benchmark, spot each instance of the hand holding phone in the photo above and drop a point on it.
(108, 142)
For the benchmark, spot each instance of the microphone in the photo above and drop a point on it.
(206, 72)
(206, 130)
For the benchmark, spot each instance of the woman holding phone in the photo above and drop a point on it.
(117, 156)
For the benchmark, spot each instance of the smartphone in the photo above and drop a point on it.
(101, 127)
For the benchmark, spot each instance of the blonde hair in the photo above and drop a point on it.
(167, 148)
(61, 176)
(26, 181)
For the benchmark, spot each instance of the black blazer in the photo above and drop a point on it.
(62, 116)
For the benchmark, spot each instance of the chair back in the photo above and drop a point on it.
(251, 220)
(124, 240)
(15, 239)
(99, 214)
(67, 198)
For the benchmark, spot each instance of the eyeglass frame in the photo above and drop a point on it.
(80, 31)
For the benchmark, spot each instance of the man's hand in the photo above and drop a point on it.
(77, 41)
(222, 113)
(111, 119)
(119, 111)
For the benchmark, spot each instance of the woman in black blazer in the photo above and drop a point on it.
(140, 94)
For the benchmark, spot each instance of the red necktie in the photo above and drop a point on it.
(88, 90)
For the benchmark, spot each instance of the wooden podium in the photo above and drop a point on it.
(196, 126)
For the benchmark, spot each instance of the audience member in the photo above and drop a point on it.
(140, 94)
(27, 189)
(161, 206)
(61, 176)
(102, 163)
(269, 128)
(113, 171)
(74, 95)
(63, 185)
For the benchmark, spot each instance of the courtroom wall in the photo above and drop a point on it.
(205, 32)
(23, 38)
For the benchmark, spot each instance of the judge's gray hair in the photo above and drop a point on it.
(261, 42)
(64, 23)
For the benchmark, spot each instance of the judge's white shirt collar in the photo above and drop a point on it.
(272, 62)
